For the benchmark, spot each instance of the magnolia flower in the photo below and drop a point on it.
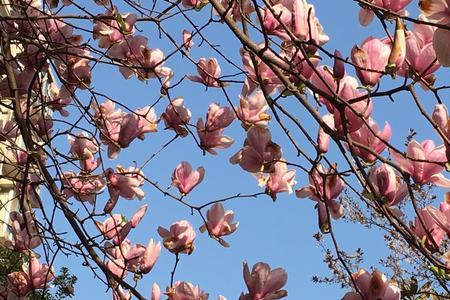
(117, 228)
(420, 53)
(274, 19)
(84, 148)
(370, 60)
(397, 6)
(133, 51)
(387, 184)
(212, 139)
(127, 257)
(136, 125)
(177, 116)
(324, 186)
(125, 183)
(150, 256)
(197, 4)
(182, 290)
(109, 31)
(156, 292)
(187, 40)
(323, 139)
(34, 275)
(432, 229)
(209, 71)
(372, 138)
(373, 286)
(424, 162)
(83, 188)
(264, 283)
(219, 223)
(441, 118)
(180, 238)
(185, 179)
(437, 11)
(279, 180)
(354, 113)
(119, 293)
(306, 25)
(265, 73)
(259, 152)
(24, 232)
(119, 129)
(210, 133)
(218, 117)
(338, 66)
(253, 110)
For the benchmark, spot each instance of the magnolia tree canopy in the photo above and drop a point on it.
(258, 96)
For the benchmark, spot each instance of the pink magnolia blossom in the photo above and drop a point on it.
(140, 60)
(420, 53)
(370, 60)
(219, 223)
(84, 148)
(24, 232)
(259, 152)
(354, 113)
(211, 133)
(252, 110)
(125, 183)
(441, 45)
(156, 292)
(279, 180)
(34, 275)
(264, 283)
(373, 286)
(185, 179)
(127, 257)
(187, 40)
(136, 125)
(177, 116)
(272, 22)
(338, 65)
(305, 65)
(83, 187)
(324, 186)
(180, 238)
(120, 293)
(265, 73)
(397, 6)
(323, 139)
(218, 117)
(441, 118)
(110, 31)
(209, 71)
(433, 228)
(306, 25)
(197, 4)
(437, 11)
(236, 10)
(212, 139)
(424, 162)
(149, 257)
(376, 142)
(387, 184)
(117, 229)
(182, 290)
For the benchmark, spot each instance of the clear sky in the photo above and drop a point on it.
(279, 233)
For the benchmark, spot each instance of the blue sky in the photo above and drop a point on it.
(278, 233)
